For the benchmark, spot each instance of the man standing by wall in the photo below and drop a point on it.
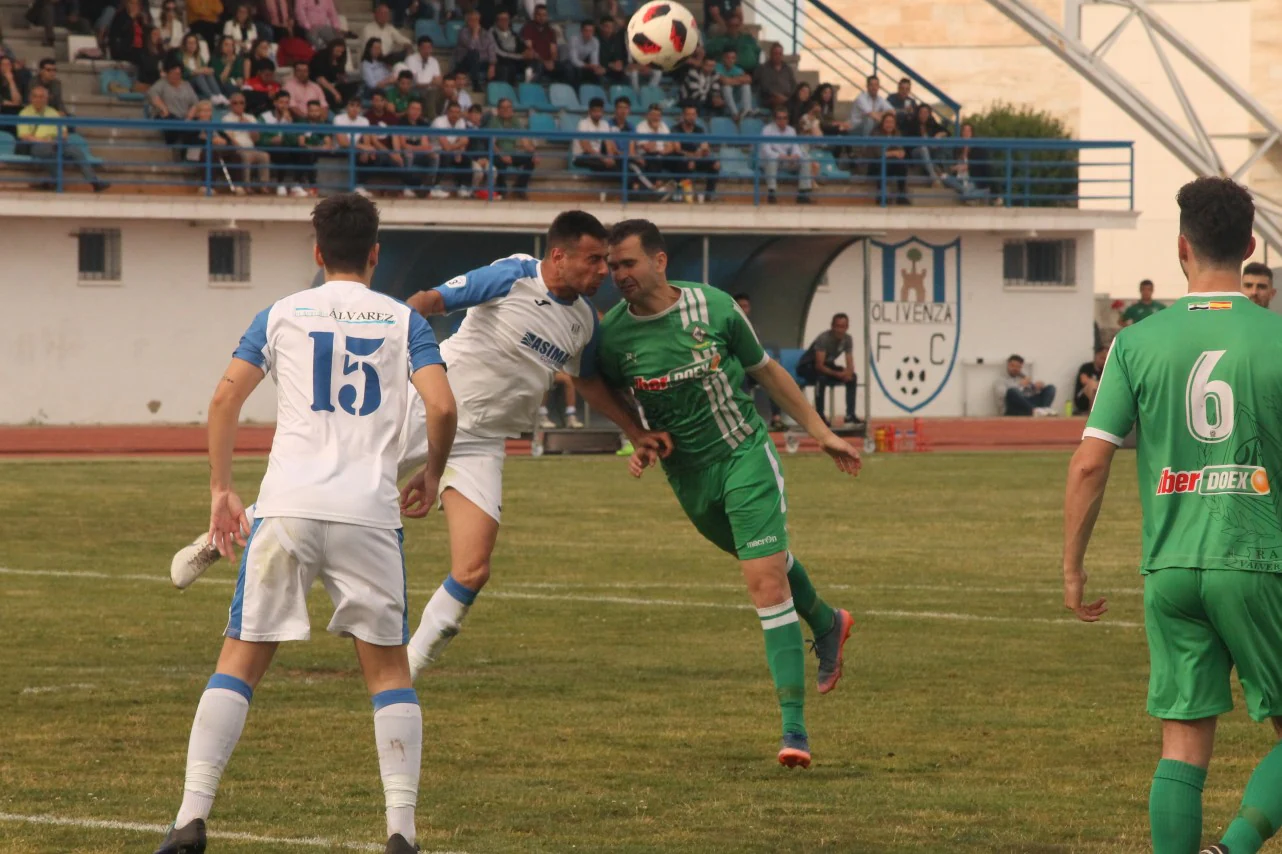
(1137, 311)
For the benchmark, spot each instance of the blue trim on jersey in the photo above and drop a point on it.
(486, 283)
(559, 301)
(424, 350)
(230, 683)
(383, 699)
(587, 359)
(460, 593)
(405, 588)
(253, 344)
(236, 614)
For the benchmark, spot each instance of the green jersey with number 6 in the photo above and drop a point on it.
(1202, 384)
(686, 367)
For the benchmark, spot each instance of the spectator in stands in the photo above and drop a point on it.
(717, 15)
(196, 70)
(921, 127)
(701, 88)
(171, 97)
(400, 95)
(244, 148)
(289, 162)
(776, 81)
(749, 384)
(603, 9)
(478, 148)
(1257, 283)
(454, 159)
(513, 156)
(461, 88)
(151, 62)
(41, 141)
(380, 115)
(171, 27)
(302, 90)
(229, 68)
(375, 71)
(47, 76)
(968, 174)
(261, 87)
(613, 53)
(1018, 395)
(798, 104)
(279, 16)
(621, 121)
(242, 29)
(10, 91)
(439, 99)
(204, 115)
(572, 422)
(515, 60)
(540, 37)
(904, 102)
(424, 67)
(417, 152)
(319, 21)
(125, 41)
(747, 49)
(395, 45)
(585, 54)
(893, 165)
(318, 141)
(20, 72)
(826, 95)
(260, 50)
(736, 86)
(656, 158)
(694, 157)
(366, 153)
(820, 365)
(811, 121)
(869, 109)
(476, 54)
(51, 13)
(329, 69)
(787, 155)
(204, 18)
(1088, 382)
(1144, 308)
(596, 155)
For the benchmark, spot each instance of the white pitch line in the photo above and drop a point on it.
(137, 827)
(53, 689)
(616, 600)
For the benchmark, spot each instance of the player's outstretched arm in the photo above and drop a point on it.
(1087, 478)
(783, 390)
(608, 402)
(427, 303)
(419, 494)
(227, 521)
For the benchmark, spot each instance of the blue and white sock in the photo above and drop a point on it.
(398, 731)
(220, 718)
(442, 619)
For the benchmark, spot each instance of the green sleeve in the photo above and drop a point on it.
(1115, 409)
(740, 335)
(607, 365)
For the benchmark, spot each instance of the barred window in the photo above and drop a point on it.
(99, 254)
(1039, 263)
(229, 256)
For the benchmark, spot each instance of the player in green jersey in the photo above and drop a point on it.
(1201, 383)
(682, 349)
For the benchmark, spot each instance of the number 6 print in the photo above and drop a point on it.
(323, 374)
(1208, 403)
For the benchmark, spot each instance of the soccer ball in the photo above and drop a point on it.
(662, 33)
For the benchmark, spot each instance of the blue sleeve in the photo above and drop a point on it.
(487, 283)
(424, 350)
(253, 344)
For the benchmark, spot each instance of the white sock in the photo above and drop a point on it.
(220, 717)
(398, 731)
(442, 619)
(570, 411)
(543, 411)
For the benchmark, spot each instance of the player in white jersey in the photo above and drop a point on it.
(526, 320)
(344, 360)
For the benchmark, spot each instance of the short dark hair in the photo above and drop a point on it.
(904, 80)
(405, 75)
(1144, 282)
(1255, 268)
(303, 63)
(427, 39)
(378, 93)
(1015, 357)
(648, 232)
(596, 102)
(171, 65)
(346, 228)
(623, 99)
(605, 21)
(1216, 218)
(261, 65)
(315, 102)
(841, 315)
(282, 93)
(538, 6)
(872, 77)
(46, 62)
(1098, 350)
(740, 296)
(503, 101)
(570, 227)
(355, 99)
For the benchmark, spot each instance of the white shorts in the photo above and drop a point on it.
(475, 466)
(362, 568)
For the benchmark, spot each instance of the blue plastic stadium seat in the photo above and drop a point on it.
(563, 97)
(496, 91)
(8, 148)
(568, 10)
(569, 123)
(430, 28)
(617, 92)
(452, 29)
(542, 123)
(735, 164)
(788, 359)
(828, 167)
(724, 126)
(533, 96)
(588, 91)
(118, 79)
(751, 127)
(656, 95)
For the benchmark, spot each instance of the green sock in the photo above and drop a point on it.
(1261, 812)
(817, 613)
(786, 656)
(1175, 807)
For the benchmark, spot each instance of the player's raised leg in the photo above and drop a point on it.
(831, 626)
(398, 733)
(473, 533)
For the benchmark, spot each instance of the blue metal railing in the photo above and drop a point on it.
(1014, 173)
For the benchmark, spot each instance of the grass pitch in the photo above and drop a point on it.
(609, 693)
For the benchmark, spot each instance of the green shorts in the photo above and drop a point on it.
(738, 503)
(1200, 624)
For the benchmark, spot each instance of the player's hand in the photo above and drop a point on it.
(1074, 589)
(642, 459)
(843, 453)
(228, 524)
(654, 440)
(419, 495)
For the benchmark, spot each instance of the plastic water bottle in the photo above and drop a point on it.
(1068, 409)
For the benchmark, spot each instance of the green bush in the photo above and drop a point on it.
(1038, 178)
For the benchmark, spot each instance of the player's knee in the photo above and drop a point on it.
(472, 574)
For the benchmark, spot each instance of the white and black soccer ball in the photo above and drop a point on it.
(662, 33)
(910, 375)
